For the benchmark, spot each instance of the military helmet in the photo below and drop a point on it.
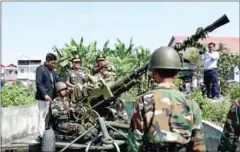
(164, 58)
(60, 86)
(100, 57)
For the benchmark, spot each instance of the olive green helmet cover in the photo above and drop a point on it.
(164, 58)
(60, 86)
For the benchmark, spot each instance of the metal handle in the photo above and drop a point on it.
(106, 137)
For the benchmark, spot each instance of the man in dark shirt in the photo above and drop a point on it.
(46, 78)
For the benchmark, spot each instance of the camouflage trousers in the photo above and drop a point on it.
(71, 127)
(78, 129)
(152, 147)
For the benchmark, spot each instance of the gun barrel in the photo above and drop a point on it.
(218, 23)
(128, 81)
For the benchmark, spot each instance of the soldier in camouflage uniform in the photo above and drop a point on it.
(61, 109)
(61, 112)
(165, 119)
(76, 75)
(231, 131)
(107, 72)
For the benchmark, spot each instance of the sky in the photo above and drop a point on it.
(32, 28)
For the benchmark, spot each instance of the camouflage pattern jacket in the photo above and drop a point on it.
(177, 119)
(60, 108)
(231, 131)
(107, 74)
(77, 77)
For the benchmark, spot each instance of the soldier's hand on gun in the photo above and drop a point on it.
(69, 89)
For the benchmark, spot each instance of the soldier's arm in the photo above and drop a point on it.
(68, 80)
(231, 131)
(57, 109)
(197, 139)
(97, 69)
(135, 132)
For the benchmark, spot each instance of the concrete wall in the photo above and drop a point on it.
(212, 134)
(18, 122)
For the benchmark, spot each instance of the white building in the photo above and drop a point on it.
(27, 69)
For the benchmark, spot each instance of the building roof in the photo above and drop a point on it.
(10, 78)
(10, 66)
(232, 43)
(23, 57)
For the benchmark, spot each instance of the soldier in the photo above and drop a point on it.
(61, 110)
(231, 131)
(165, 119)
(101, 66)
(76, 75)
(103, 70)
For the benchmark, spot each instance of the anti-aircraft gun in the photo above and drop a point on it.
(93, 102)
(90, 106)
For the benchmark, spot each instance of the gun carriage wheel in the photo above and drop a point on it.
(82, 112)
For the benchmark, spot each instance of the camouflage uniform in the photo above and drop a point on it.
(165, 119)
(61, 110)
(76, 77)
(231, 132)
(79, 76)
(108, 73)
(61, 115)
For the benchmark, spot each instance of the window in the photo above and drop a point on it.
(23, 70)
(35, 62)
(22, 62)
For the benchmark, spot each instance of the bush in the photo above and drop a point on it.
(215, 112)
(17, 94)
(235, 91)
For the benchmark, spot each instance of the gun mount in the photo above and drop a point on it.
(94, 101)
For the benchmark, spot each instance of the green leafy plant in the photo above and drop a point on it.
(215, 112)
(17, 94)
(234, 91)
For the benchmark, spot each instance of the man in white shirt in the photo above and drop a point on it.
(210, 59)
